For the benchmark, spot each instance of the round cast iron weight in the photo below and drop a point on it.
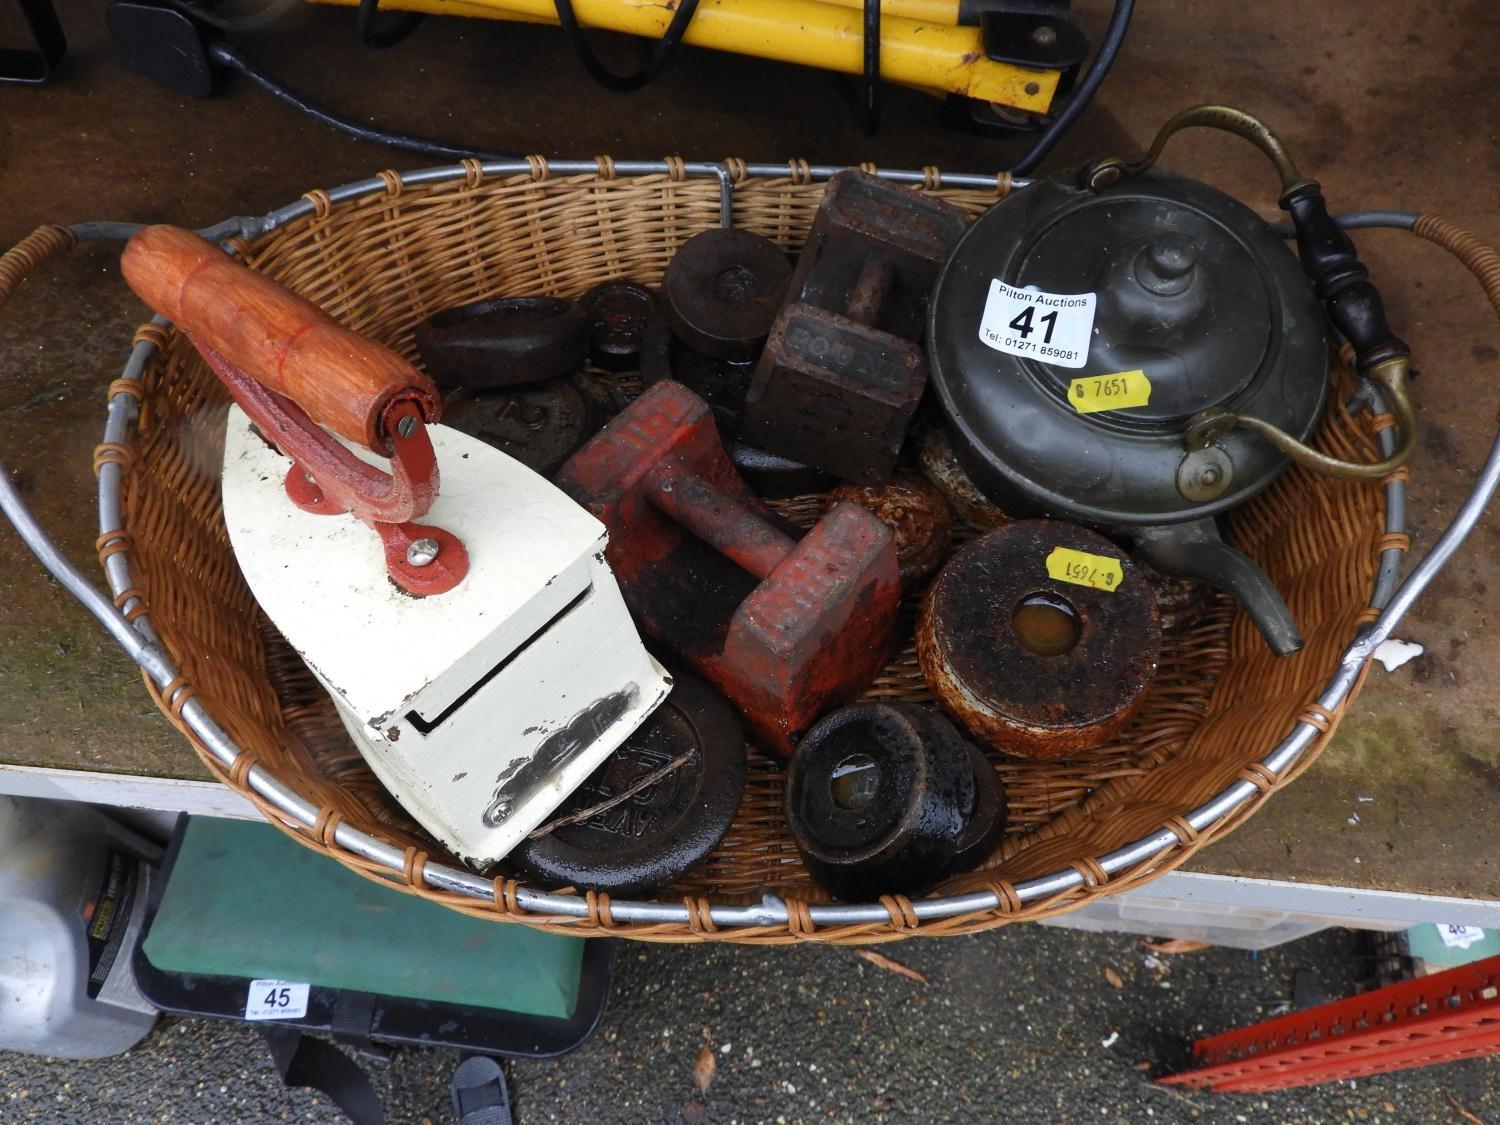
(1035, 666)
(917, 515)
(986, 824)
(877, 798)
(650, 839)
(618, 313)
(503, 342)
(540, 425)
(721, 383)
(723, 288)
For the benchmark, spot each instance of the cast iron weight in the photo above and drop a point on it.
(842, 373)
(503, 342)
(539, 424)
(619, 313)
(723, 288)
(878, 797)
(917, 515)
(721, 383)
(934, 451)
(1037, 666)
(652, 837)
(986, 825)
(786, 629)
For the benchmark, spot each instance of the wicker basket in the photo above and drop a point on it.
(1226, 723)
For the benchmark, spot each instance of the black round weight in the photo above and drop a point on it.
(650, 839)
(986, 825)
(723, 288)
(618, 313)
(877, 798)
(503, 342)
(721, 383)
(540, 425)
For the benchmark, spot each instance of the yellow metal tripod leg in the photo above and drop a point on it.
(808, 32)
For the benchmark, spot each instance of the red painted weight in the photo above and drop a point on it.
(786, 628)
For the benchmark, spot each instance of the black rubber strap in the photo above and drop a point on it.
(657, 55)
(304, 1061)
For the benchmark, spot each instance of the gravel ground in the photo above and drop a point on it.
(1010, 1025)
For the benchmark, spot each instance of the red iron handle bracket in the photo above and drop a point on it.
(327, 477)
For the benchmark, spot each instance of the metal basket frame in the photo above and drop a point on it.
(141, 643)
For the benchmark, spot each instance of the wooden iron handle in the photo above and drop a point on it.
(344, 381)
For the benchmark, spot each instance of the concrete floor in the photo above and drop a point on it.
(1010, 1026)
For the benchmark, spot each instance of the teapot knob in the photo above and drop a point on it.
(1165, 266)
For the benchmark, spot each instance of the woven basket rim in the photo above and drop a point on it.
(1130, 865)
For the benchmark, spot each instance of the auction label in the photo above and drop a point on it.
(1119, 391)
(1460, 937)
(276, 1000)
(1065, 564)
(1054, 328)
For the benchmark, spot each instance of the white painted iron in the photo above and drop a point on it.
(484, 663)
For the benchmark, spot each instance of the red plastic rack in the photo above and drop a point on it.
(1450, 1015)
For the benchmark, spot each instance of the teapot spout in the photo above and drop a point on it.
(1196, 550)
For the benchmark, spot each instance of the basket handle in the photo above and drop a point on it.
(284, 342)
(41, 245)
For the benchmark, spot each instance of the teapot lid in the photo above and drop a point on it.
(1074, 332)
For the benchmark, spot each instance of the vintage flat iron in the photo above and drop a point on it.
(482, 660)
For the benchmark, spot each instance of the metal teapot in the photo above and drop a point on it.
(1137, 351)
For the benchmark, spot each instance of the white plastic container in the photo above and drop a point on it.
(73, 887)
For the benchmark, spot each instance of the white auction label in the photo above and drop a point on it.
(276, 1000)
(1052, 327)
(1460, 937)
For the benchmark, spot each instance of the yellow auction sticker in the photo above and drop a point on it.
(1119, 391)
(1065, 564)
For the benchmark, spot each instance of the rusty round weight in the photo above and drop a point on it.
(938, 465)
(723, 288)
(985, 827)
(917, 515)
(1180, 602)
(540, 425)
(1036, 666)
(618, 313)
(877, 799)
(503, 342)
(650, 839)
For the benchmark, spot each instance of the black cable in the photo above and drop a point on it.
(226, 55)
(872, 67)
(864, 97)
(1104, 58)
(657, 56)
(398, 29)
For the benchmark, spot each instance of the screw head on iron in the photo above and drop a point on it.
(407, 426)
(422, 552)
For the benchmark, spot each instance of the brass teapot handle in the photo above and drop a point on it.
(1338, 277)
